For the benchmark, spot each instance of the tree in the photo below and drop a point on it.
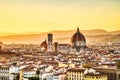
(15, 63)
(45, 79)
(33, 78)
(38, 72)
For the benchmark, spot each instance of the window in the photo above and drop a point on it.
(119, 76)
(96, 77)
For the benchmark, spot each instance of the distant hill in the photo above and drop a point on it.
(89, 38)
(5, 33)
(114, 38)
(85, 32)
(115, 32)
(60, 36)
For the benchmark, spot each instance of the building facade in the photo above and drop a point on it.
(4, 73)
(75, 74)
(96, 76)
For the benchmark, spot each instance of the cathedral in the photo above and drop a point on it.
(78, 42)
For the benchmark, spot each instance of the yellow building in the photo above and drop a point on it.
(95, 76)
(66, 65)
(21, 75)
(75, 74)
(82, 74)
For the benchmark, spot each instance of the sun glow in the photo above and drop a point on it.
(41, 16)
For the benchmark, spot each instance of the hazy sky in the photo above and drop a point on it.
(47, 15)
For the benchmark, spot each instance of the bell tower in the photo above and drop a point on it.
(50, 42)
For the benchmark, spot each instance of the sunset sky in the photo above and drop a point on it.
(46, 15)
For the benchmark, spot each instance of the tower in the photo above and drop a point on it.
(55, 46)
(50, 42)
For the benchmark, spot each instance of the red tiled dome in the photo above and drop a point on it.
(44, 44)
(78, 37)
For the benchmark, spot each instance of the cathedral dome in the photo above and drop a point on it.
(78, 39)
(44, 46)
(44, 43)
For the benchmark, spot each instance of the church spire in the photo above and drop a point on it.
(78, 29)
(77, 33)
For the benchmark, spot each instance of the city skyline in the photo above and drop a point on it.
(59, 40)
(48, 15)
